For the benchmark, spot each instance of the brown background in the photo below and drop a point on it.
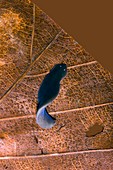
(89, 22)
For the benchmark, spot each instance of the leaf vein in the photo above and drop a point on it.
(28, 68)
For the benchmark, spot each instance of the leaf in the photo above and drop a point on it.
(31, 43)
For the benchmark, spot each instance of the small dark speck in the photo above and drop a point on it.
(42, 152)
(36, 139)
(5, 166)
(94, 130)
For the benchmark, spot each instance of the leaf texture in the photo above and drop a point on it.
(86, 160)
(30, 44)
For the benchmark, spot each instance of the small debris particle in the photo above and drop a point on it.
(94, 130)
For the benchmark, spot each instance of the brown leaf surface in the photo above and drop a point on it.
(75, 161)
(30, 44)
